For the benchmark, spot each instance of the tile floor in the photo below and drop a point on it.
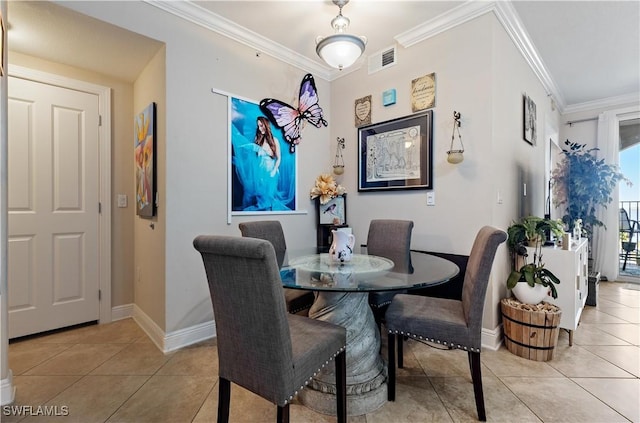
(113, 373)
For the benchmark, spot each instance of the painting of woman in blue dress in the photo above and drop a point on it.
(263, 172)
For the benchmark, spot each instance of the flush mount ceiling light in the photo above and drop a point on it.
(340, 50)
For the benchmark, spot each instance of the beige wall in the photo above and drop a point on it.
(462, 84)
(149, 253)
(122, 240)
(513, 161)
(480, 74)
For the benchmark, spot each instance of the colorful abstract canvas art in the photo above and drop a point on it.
(144, 154)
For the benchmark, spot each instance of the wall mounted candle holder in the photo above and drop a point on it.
(455, 156)
(338, 163)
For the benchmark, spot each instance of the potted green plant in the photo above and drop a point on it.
(536, 280)
(530, 229)
(581, 183)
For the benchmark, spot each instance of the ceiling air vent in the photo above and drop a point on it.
(382, 59)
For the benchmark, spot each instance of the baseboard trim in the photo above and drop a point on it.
(7, 390)
(492, 339)
(168, 342)
(188, 336)
(121, 312)
(150, 327)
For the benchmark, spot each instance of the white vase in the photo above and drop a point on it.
(530, 295)
(341, 249)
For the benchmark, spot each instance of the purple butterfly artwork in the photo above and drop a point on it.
(291, 119)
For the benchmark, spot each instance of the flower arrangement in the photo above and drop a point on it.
(326, 188)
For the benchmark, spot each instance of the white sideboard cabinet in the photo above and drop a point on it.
(571, 267)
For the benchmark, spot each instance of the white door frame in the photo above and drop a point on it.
(551, 136)
(104, 151)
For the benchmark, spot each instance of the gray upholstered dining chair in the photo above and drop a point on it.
(452, 323)
(298, 301)
(261, 347)
(391, 239)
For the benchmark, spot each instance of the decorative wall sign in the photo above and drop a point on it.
(145, 154)
(362, 111)
(291, 119)
(423, 93)
(529, 126)
(396, 154)
(389, 97)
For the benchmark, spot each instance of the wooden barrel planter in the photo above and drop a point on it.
(530, 330)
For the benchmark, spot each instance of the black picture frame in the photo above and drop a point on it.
(332, 213)
(2, 32)
(145, 158)
(396, 154)
(529, 120)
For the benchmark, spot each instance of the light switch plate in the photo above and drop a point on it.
(431, 198)
(122, 200)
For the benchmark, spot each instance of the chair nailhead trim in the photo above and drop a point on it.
(438, 341)
(314, 374)
(380, 305)
(295, 311)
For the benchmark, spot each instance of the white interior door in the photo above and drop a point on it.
(53, 173)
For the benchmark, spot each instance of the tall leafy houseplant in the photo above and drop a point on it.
(582, 183)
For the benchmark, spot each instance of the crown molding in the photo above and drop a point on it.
(503, 11)
(441, 23)
(510, 21)
(605, 103)
(223, 26)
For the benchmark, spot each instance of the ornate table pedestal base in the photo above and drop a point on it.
(366, 371)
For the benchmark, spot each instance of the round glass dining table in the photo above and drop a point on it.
(342, 291)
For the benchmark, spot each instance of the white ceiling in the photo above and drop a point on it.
(588, 52)
(54, 33)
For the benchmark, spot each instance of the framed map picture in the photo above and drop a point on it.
(396, 154)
